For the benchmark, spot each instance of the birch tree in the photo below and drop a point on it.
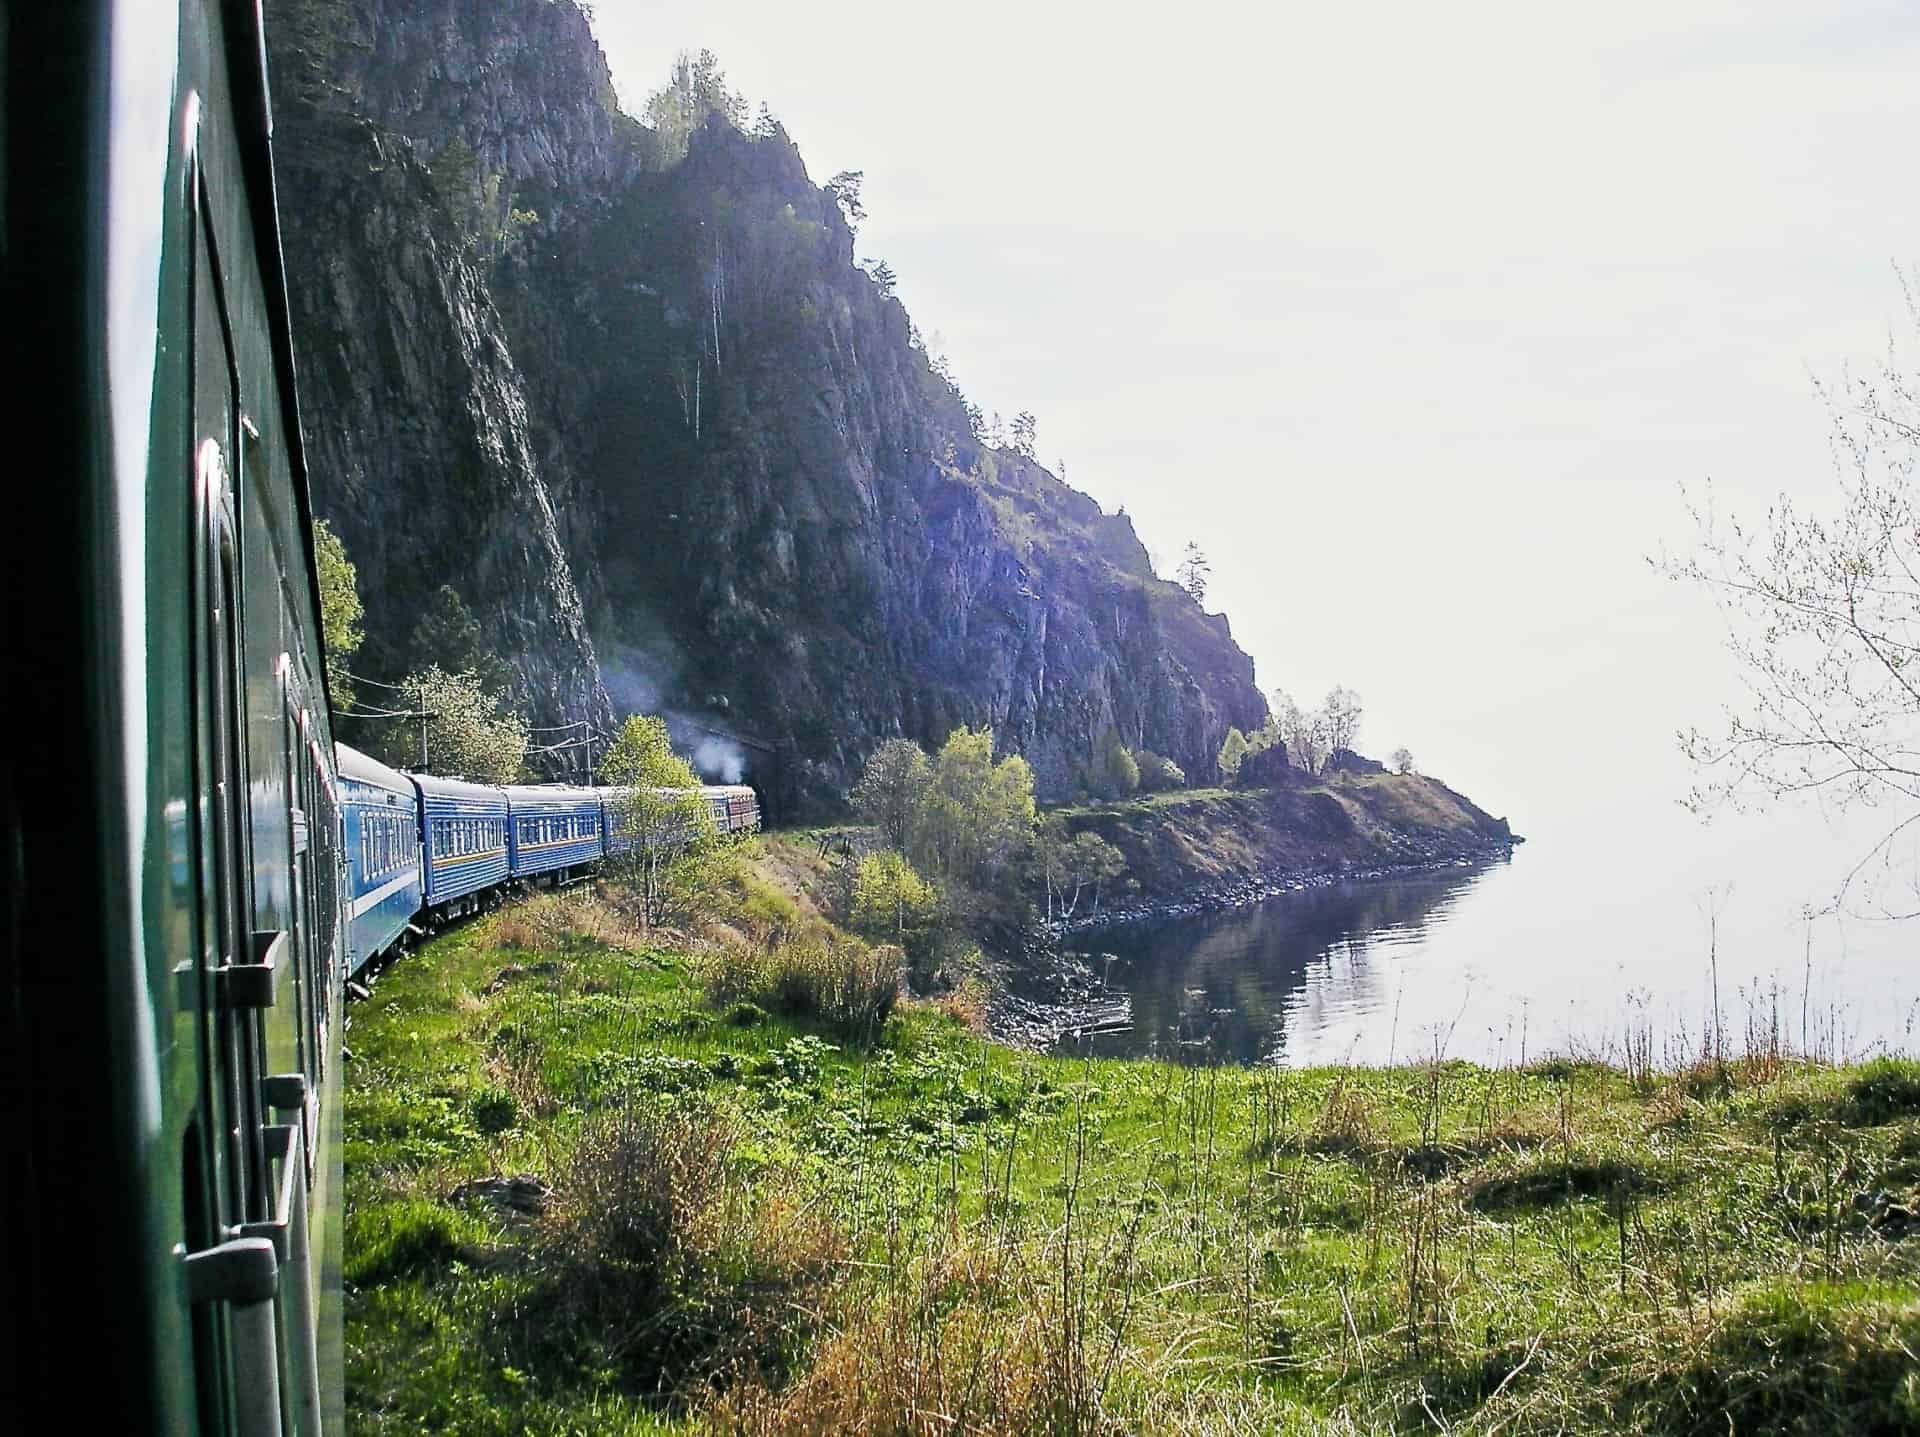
(1821, 601)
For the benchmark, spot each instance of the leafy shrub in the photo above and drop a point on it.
(1158, 773)
(1112, 772)
(1796, 1357)
(891, 903)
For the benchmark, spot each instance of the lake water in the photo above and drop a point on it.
(1595, 928)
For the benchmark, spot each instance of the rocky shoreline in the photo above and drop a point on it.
(1217, 898)
(1051, 994)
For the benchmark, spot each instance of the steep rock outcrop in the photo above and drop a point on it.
(779, 517)
(416, 418)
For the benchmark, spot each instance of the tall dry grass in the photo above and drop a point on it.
(840, 983)
(662, 1255)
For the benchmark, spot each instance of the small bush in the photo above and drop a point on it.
(973, 1337)
(965, 1003)
(1554, 1180)
(1158, 773)
(555, 922)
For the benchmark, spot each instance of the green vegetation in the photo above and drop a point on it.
(467, 734)
(341, 615)
(662, 817)
(603, 1182)
(696, 92)
(1113, 772)
(449, 635)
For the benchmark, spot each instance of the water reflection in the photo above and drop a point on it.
(1260, 984)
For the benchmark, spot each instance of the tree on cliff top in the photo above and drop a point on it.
(1822, 608)
(1194, 572)
(695, 92)
(1026, 434)
(845, 190)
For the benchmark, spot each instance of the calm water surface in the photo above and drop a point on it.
(1613, 923)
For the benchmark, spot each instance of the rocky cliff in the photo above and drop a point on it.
(633, 397)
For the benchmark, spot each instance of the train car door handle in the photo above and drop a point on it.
(245, 1274)
(255, 984)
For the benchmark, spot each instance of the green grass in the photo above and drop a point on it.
(929, 1223)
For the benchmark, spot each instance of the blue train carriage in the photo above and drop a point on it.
(463, 843)
(380, 810)
(556, 827)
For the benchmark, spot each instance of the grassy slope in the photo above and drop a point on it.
(1075, 1246)
(1177, 842)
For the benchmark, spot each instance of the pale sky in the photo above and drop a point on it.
(1415, 317)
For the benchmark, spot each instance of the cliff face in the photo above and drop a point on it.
(418, 429)
(658, 400)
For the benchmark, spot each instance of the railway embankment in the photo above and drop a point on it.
(1192, 852)
(710, 1179)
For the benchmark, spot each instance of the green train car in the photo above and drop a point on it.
(170, 906)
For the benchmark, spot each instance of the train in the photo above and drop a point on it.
(191, 869)
(421, 849)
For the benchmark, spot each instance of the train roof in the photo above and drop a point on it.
(357, 765)
(531, 794)
(430, 783)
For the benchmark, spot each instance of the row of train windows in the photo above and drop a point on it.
(566, 828)
(386, 843)
(457, 837)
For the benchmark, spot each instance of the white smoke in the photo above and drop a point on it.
(634, 680)
(719, 759)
